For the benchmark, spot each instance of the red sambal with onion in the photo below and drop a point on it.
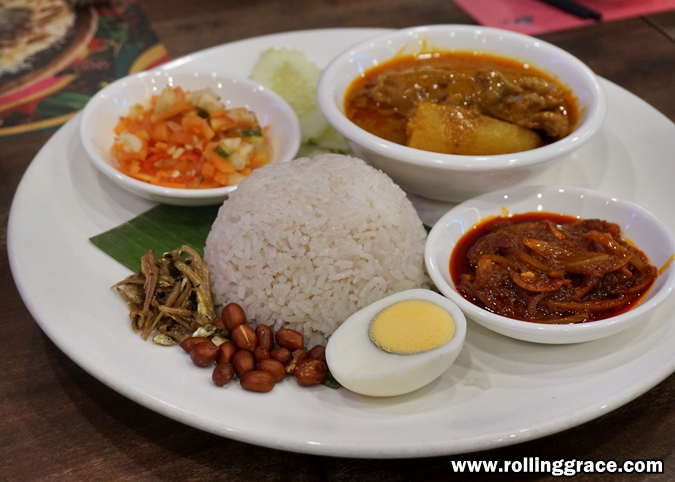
(550, 268)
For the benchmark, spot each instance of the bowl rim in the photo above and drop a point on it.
(567, 333)
(155, 191)
(326, 92)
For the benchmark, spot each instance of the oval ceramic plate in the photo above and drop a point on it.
(638, 225)
(498, 392)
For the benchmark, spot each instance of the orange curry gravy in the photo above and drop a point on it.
(550, 268)
(384, 98)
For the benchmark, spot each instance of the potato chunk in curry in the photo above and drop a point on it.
(456, 130)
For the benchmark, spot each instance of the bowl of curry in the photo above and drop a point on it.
(552, 264)
(454, 111)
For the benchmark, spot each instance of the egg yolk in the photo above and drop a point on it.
(411, 326)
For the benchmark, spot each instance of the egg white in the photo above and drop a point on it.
(361, 367)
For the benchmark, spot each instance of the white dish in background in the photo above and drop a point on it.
(498, 392)
(104, 110)
(649, 234)
(451, 177)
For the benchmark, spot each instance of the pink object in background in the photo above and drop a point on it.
(534, 17)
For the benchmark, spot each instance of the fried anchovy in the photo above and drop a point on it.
(169, 296)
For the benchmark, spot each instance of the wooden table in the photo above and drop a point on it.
(59, 423)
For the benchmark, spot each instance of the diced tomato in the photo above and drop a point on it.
(192, 157)
(221, 178)
(160, 132)
(133, 126)
(180, 137)
(223, 166)
(223, 123)
(208, 170)
(148, 165)
(174, 110)
(197, 125)
(172, 151)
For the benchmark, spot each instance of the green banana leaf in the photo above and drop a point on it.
(162, 228)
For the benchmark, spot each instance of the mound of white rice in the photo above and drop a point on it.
(307, 243)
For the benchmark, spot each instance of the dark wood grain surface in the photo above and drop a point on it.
(59, 423)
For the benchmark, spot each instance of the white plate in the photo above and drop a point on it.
(500, 391)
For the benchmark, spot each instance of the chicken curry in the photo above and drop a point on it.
(462, 103)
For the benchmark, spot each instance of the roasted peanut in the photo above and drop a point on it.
(233, 315)
(203, 354)
(243, 362)
(299, 356)
(260, 353)
(282, 355)
(257, 381)
(218, 322)
(189, 343)
(225, 352)
(290, 339)
(265, 337)
(310, 372)
(222, 374)
(244, 337)
(273, 366)
(317, 353)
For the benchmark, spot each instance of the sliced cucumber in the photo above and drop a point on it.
(289, 73)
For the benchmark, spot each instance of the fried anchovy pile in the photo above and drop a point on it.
(170, 297)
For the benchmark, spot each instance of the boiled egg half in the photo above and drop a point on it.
(397, 344)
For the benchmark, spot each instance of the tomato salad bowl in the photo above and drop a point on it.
(104, 111)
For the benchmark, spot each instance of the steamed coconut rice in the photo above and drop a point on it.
(307, 243)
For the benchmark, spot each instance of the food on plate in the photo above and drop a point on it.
(397, 345)
(189, 140)
(305, 244)
(236, 349)
(289, 73)
(550, 268)
(28, 28)
(461, 103)
(170, 297)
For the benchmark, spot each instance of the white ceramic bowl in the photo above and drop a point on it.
(639, 226)
(104, 110)
(449, 177)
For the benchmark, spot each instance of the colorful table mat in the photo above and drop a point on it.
(533, 17)
(106, 43)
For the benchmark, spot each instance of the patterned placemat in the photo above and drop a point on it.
(105, 43)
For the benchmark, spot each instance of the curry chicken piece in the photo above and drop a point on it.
(530, 102)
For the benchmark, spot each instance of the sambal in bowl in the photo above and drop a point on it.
(453, 111)
(552, 264)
